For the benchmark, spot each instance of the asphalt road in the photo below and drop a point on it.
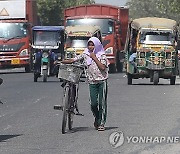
(142, 118)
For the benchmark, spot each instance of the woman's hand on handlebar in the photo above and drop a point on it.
(68, 61)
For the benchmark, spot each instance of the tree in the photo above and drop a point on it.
(51, 11)
(70, 3)
(156, 8)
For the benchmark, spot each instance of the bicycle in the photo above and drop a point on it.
(70, 73)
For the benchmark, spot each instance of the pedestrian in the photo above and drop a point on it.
(132, 59)
(95, 60)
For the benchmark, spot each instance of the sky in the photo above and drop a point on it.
(112, 2)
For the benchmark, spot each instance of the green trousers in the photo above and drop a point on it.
(98, 101)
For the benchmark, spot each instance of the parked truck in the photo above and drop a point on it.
(113, 22)
(15, 32)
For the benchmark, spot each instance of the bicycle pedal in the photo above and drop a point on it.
(79, 114)
(58, 107)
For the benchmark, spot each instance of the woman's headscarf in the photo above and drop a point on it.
(98, 49)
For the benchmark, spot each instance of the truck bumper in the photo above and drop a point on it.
(14, 62)
(111, 59)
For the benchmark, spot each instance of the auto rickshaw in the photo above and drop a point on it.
(153, 42)
(48, 46)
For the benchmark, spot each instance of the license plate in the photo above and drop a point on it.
(15, 61)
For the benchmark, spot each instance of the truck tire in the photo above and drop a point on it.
(173, 80)
(28, 69)
(156, 77)
(112, 68)
(119, 64)
(120, 67)
(129, 79)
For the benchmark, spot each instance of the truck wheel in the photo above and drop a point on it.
(156, 77)
(120, 67)
(119, 63)
(112, 68)
(179, 68)
(172, 80)
(129, 79)
(28, 69)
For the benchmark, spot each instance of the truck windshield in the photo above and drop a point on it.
(156, 37)
(106, 25)
(45, 38)
(12, 30)
(77, 42)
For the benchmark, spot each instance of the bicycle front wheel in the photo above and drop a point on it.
(72, 101)
(70, 120)
(65, 110)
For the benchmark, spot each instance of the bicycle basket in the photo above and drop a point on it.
(70, 72)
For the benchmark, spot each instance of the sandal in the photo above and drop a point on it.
(101, 128)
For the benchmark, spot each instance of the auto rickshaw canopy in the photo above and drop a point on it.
(154, 22)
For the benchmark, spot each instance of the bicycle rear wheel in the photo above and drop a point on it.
(65, 110)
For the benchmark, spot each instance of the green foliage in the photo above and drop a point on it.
(70, 3)
(51, 11)
(156, 8)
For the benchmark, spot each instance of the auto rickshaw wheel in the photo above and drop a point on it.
(172, 80)
(156, 77)
(129, 77)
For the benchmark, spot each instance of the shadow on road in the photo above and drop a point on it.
(3, 138)
(77, 129)
(109, 128)
(150, 84)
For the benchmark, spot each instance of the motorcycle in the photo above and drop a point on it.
(44, 64)
(48, 46)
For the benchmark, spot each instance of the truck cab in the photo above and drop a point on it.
(15, 33)
(113, 22)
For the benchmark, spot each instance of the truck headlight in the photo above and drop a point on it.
(109, 50)
(24, 52)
